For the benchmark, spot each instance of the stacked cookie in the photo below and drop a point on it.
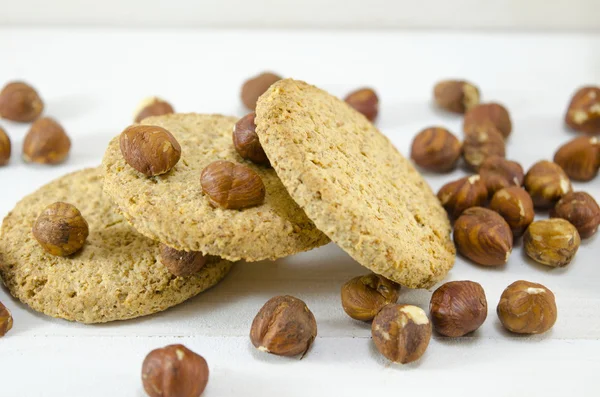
(176, 183)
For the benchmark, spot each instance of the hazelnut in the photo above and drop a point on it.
(483, 236)
(20, 102)
(174, 371)
(481, 143)
(365, 101)
(6, 320)
(364, 296)
(583, 113)
(284, 326)
(464, 193)
(527, 308)
(514, 204)
(46, 143)
(246, 141)
(255, 87)
(181, 263)
(546, 182)
(436, 149)
(5, 147)
(579, 158)
(60, 229)
(498, 173)
(581, 210)
(486, 115)
(457, 308)
(455, 95)
(232, 186)
(152, 106)
(552, 242)
(401, 332)
(149, 149)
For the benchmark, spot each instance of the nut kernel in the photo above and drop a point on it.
(498, 173)
(149, 149)
(364, 296)
(6, 320)
(552, 242)
(458, 308)
(456, 95)
(516, 207)
(20, 102)
(232, 186)
(60, 229)
(579, 158)
(152, 106)
(583, 113)
(245, 140)
(546, 182)
(181, 263)
(255, 87)
(5, 147)
(527, 308)
(436, 149)
(481, 143)
(581, 210)
(464, 193)
(365, 101)
(488, 115)
(46, 142)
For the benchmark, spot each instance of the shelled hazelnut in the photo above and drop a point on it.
(5, 147)
(365, 101)
(254, 87)
(581, 210)
(6, 320)
(284, 326)
(246, 141)
(486, 115)
(232, 186)
(464, 193)
(497, 173)
(546, 183)
(364, 296)
(516, 207)
(20, 102)
(149, 149)
(152, 106)
(60, 229)
(436, 149)
(483, 236)
(579, 158)
(401, 332)
(583, 113)
(551, 242)
(527, 308)
(455, 96)
(481, 143)
(174, 371)
(458, 308)
(46, 142)
(181, 263)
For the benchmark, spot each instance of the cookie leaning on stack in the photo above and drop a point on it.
(116, 276)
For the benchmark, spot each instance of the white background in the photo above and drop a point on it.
(92, 80)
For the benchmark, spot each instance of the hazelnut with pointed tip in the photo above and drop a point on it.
(464, 193)
(458, 308)
(20, 102)
(583, 113)
(527, 308)
(581, 210)
(364, 296)
(455, 96)
(516, 207)
(551, 242)
(436, 149)
(579, 158)
(365, 101)
(546, 183)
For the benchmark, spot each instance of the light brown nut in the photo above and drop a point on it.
(365, 101)
(486, 115)
(149, 149)
(20, 102)
(581, 210)
(246, 141)
(583, 113)
(46, 142)
(60, 229)
(436, 149)
(232, 186)
(152, 106)
(579, 158)
(481, 143)
(551, 242)
(514, 204)
(364, 296)
(455, 95)
(6, 320)
(255, 87)
(527, 308)
(284, 326)
(498, 173)
(464, 193)
(5, 147)
(174, 371)
(181, 263)
(546, 183)
(483, 236)
(401, 332)
(458, 308)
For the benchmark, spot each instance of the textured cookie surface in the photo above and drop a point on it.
(117, 275)
(171, 208)
(353, 183)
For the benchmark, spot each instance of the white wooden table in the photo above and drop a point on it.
(92, 80)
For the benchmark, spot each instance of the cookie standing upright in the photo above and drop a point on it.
(117, 275)
(354, 184)
(172, 208)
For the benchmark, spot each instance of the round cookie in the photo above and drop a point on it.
(117, 274)
(171, 208)
(354, 184)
